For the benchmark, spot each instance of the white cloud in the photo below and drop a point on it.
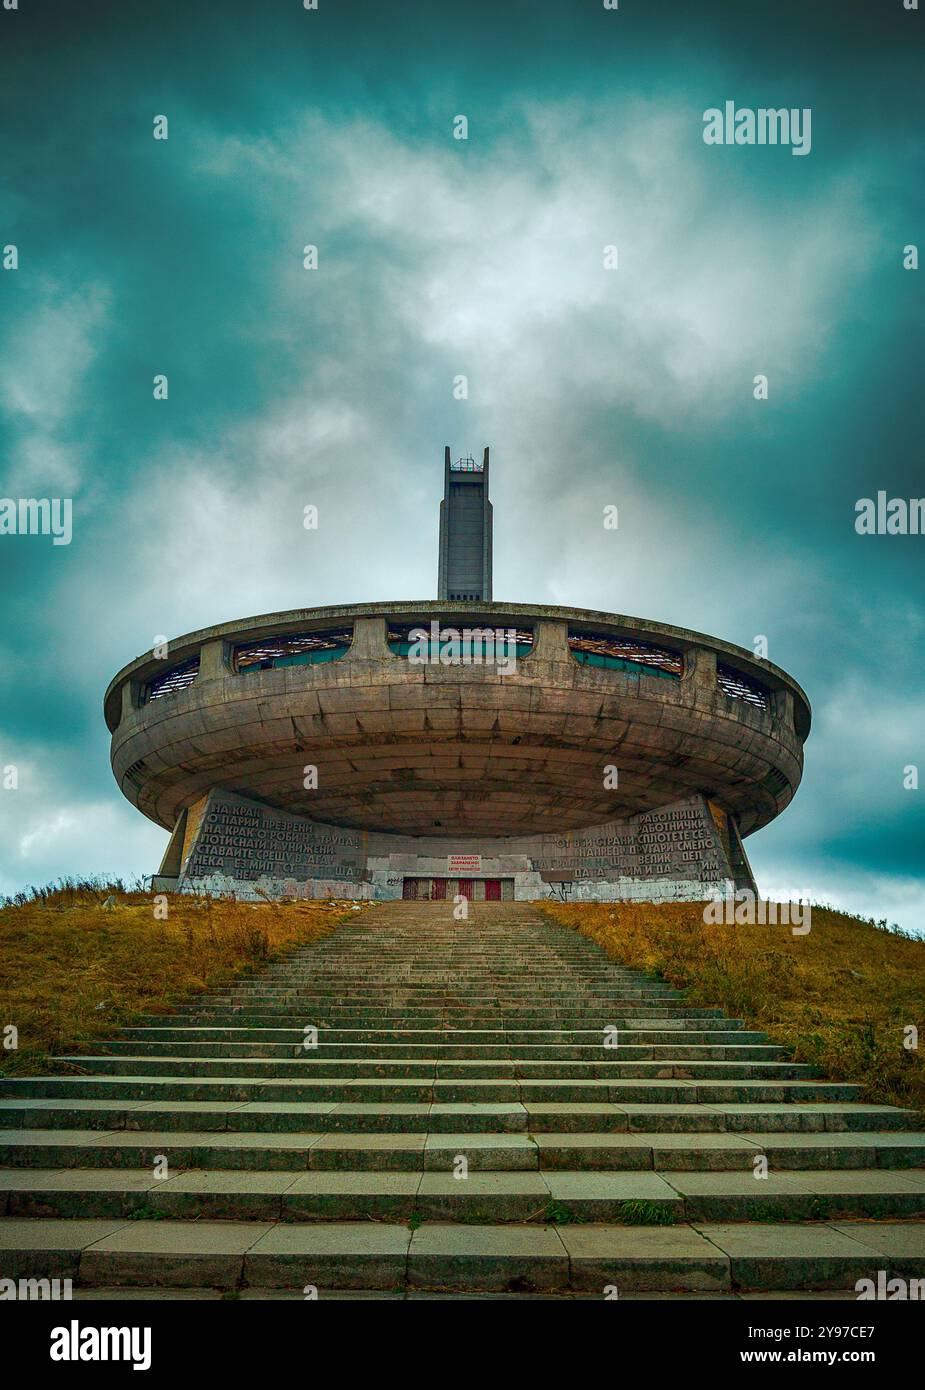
(883, 897)
(499, 263)
(49, 831)
(42, 370)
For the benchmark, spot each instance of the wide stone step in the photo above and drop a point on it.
(732, 1151)
(703, 1257)
(561, 1117)
(523, 1196)
(137, 1048)
(333, 1195)
(552, 976)
(459, 997)
(556, 976)
(311, 1063)
(344, 1015)
(618, 1151)
(384, 1022)
(798, 1195)
(368, 1038)
(674, 1091)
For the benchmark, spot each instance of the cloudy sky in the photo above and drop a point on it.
(440, 257)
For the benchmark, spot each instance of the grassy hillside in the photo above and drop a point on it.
(840, 996)
(72, 968)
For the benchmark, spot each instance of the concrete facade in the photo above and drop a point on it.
(234, 844)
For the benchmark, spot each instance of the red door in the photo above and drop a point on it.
(465, 887)
(409, 888)
(492, 890)
(438, 889)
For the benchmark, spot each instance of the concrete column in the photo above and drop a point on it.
(213, 661)
(129, 699)
(550, 641)
(369, 641)
(782, 708)
(700, 671)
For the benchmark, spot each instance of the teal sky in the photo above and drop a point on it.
(440, 257)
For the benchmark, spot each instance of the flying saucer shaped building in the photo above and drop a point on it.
(456, 745)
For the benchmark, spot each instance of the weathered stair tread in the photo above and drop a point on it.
(415, 1295)
(420, 1090)
(33, 1233)
(794, 1116)
(421, 1037)
(345, 1068)
(697, 1256)
(633, 1259)
(799, 1195)
(899, 1241)
(791, 1255)
(408, 1150)
(503, 1196)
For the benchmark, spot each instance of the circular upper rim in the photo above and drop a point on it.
(306, 619)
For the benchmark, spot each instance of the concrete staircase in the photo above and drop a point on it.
(492, 1106)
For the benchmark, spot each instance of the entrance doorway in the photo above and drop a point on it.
(477, 890)
(424, 889)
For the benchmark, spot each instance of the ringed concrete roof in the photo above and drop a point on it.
(459, 749)
(309, 619)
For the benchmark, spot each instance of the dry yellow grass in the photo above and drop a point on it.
(841, 997)
(72, 970)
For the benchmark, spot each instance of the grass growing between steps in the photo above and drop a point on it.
(840, 997)
(79, 960)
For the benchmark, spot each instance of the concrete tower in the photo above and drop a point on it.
(465, 531)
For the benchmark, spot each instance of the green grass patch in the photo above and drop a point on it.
(640, 1213)
(843, 998)
(79, 960)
